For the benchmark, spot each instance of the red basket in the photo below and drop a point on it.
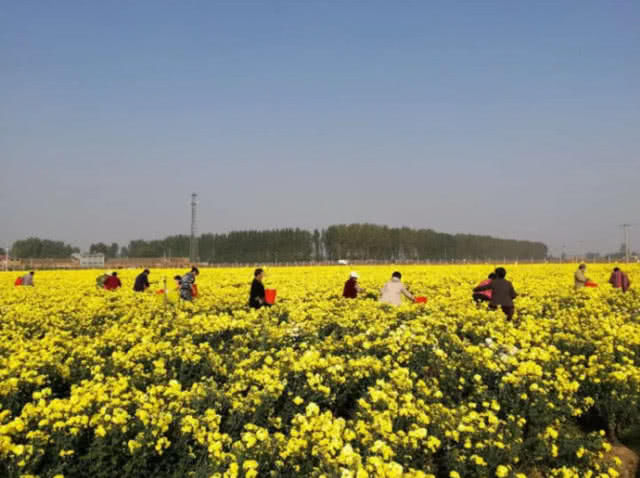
(590, 284)
(421, 300)
(270, 296)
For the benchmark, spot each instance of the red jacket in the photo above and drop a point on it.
(112, 282)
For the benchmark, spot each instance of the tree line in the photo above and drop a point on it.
(36, 248)
(373, 242)
(349, 242)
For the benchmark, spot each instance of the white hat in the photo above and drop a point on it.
(354, 274)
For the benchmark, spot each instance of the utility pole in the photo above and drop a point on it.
(627, 246)
(193, 243)
(625, 230)
(627, 240)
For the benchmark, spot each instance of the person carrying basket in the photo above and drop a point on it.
(257, 294)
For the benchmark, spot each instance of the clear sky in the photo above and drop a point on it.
(516, 119)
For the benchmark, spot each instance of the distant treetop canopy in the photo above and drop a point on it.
(352, 242)
(35, 248)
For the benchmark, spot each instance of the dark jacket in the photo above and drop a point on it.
(256, 295)
(502, 292)
(350, 290)
(142, 282)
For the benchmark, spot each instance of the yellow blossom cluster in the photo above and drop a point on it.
(116, 383)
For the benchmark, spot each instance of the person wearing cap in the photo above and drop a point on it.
(142, 281)
(188, 283)
(579, 278)
(393, 291)
(351, 288)
(112, 282)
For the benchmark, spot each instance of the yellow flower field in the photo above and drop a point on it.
(103, 384)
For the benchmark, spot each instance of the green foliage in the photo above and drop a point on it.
(35, 248)
(353, 242)
(109, 251)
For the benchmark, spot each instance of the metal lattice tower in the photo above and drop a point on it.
(193, 243)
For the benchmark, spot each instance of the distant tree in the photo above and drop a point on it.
(124, 251)
(112, 252)
(317, 245)
(2, 252)
(99, 248)
(142, 248)
(36, 248)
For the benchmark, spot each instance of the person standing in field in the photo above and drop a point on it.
(351, 287)
(188, 283)
(142, 281)
(619, 280)
(112, 282)
(393, 291)
(27, 279)
(502, 293)
(485, 295)
(579, 278)
(257, 293)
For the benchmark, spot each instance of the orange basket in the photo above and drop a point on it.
(421, 300)
(270, 296)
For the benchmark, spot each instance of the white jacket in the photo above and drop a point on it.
(393, 291)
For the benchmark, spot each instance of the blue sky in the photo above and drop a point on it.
(516, 119)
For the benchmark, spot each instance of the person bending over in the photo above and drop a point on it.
(502, 293)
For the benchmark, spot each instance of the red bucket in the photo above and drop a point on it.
(421, 300)
(270, 296)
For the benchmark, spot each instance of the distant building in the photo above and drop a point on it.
(88, 259)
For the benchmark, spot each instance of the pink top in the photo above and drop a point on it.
(486, 293)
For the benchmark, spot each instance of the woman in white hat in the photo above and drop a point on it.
(351, 288)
